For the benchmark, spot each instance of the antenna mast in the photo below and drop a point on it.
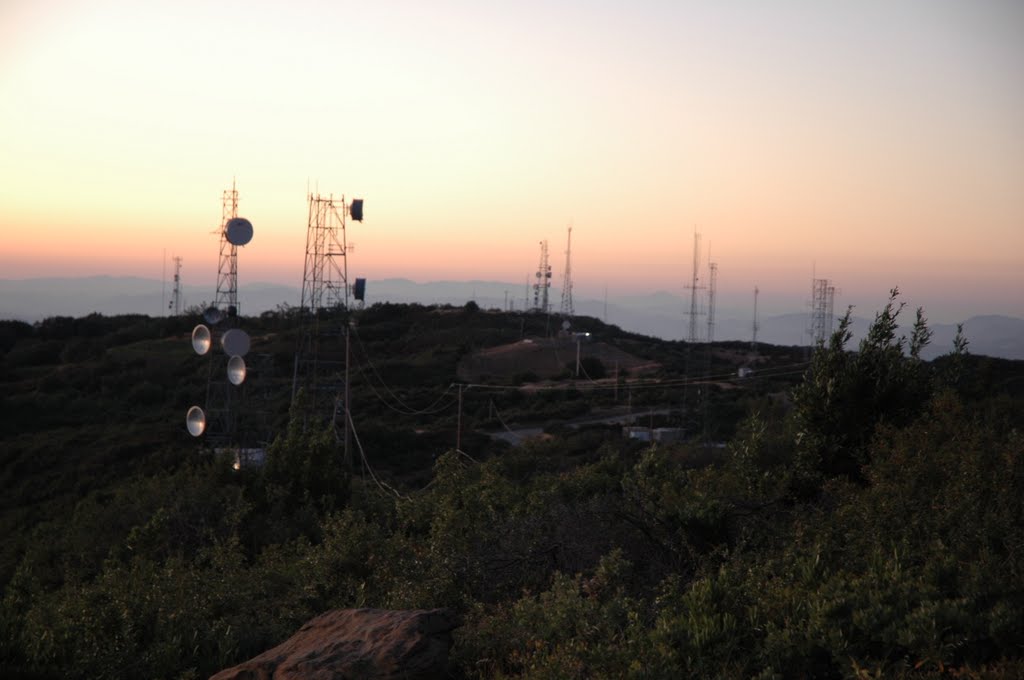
(324, 310)
(712, 292)
(227, 367)
(175, 302)
(567, 307)
(226, 297)
(694, 291)
(543, 283)
(823, 294)
(756, 326)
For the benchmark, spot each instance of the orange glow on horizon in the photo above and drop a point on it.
(474, 131)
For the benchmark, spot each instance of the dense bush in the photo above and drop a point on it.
(883, 540)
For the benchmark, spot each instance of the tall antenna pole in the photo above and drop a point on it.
(163, 281)
(226, 297)
(567, 307)
(712, 292)
(756, 326)
(823, 294)
(694, 290)
(324, 307)
(175, 302)
(542, 285)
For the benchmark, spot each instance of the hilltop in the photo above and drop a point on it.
(657, 314)
(133, 549)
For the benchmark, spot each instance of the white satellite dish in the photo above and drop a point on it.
(238, 231)
(201, 339)
(236, 370)
(213, 316)
(195, 421)
(235, 342)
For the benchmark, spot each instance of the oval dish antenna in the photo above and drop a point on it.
(235, 342)
(213, 316)
(236, 370)
(238, 231)
(201, 339)
(195, 421)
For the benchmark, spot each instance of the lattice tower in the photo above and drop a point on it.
(712, 293)
(226, 297)
(175, 303)
(542, 285)
(567, 306)
(823, 295)
(695, 288)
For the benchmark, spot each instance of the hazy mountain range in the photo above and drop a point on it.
(659, 314)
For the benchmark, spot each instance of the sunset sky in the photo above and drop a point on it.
(877, 142)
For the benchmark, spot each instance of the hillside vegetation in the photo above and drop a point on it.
(854, 512)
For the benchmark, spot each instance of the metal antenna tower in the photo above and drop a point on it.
(175, 302)
(325, 274)
(325, 290)
(695, 291)
(756, 326)
(221, 415)
(542, 285)
(324, 310)
(823, 295)
(712, 292)
(567, 307)
(226, 297)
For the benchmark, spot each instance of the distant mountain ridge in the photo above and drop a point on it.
(659, 314)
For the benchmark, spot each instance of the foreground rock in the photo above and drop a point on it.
(358, 643)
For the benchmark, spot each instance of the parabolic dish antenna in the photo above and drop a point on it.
(235, 342)
(566, 325)
(201, 339)
(213, 316)
(238, 231)
(195, 421)
(236, 370)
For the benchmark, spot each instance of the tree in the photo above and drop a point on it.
(844, 396)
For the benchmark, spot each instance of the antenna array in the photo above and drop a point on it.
(695, 289)
(756, 326)
(542, 285)
(567, 306)
(324, 310)
(175, 303)
(226, 297)
(823, 294)
(712, 292)
(219, 420)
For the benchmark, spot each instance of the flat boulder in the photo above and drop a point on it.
(358, 643)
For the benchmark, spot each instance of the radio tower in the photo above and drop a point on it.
(543, 282)
(567, 308)
(221, 411)
(226, 297)
(325, 289)
(712, 290)
(175, 302)
(756, 326)
(823, 295)
(694, 291)
(324, 313)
